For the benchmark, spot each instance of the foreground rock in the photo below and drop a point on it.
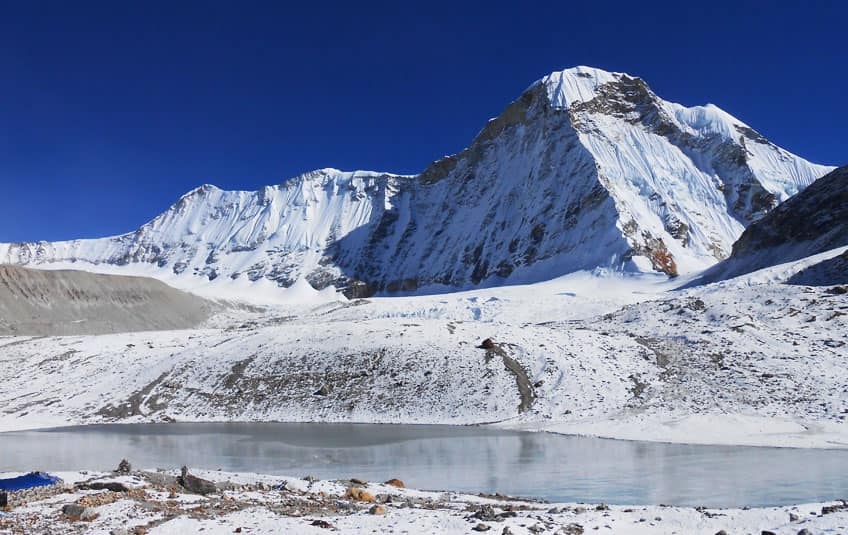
(250, 503)
(195, 484)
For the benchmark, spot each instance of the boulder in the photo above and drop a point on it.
(358, 494)
(325, 390)
(488, 343)
(486, 513)
(160, 479)
(828, 509)
(113, 486)
(124, 467)
(77, 512)
(195, 484)
(73, 510)
(395, 483)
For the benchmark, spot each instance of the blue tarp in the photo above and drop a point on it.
(33, 479)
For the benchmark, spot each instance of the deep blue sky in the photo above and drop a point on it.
(110, 111)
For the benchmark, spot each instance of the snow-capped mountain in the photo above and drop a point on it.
(279, 233)
(586, 169)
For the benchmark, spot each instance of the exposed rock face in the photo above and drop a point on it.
(585, 169)
(37, 302)
(812, 222)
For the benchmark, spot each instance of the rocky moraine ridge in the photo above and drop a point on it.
(585, 169)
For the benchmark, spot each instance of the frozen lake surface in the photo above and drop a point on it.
(469, 459)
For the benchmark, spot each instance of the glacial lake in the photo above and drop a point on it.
(469, 459)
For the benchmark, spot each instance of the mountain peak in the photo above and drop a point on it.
(200, 191)
(578, 84)
(575, 87)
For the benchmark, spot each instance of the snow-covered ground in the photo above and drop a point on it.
(155, 503)
(749, 361)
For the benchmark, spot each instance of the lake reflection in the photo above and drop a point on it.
(473, 459)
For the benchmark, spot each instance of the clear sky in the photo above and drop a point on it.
(109, 111)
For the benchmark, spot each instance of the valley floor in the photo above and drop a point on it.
(155, 503)
(751, 362)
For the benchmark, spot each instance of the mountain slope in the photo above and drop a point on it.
(812, 222)
(586, 169)
(64, 302)
(278, 233)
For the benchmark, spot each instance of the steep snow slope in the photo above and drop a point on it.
(812, 222)
(278, 233)
(34, 302)
(586, 169)
(828, 272)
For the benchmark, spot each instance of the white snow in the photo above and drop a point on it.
(578, 84)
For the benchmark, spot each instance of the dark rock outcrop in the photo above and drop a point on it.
(195, 484)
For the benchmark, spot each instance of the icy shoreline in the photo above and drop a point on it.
(157, 503)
